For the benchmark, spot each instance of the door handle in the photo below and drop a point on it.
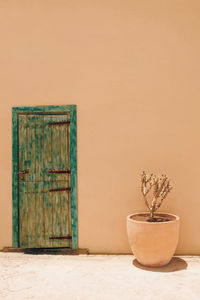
(23, 172)
(22, 175)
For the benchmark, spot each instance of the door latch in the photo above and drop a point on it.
(22, 175)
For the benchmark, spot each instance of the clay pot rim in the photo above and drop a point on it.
(177, 218)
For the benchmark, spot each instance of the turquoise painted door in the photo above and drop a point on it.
(44, 180)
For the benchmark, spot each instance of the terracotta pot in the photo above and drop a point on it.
(153, 243)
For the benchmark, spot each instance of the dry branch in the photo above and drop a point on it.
(160, 186)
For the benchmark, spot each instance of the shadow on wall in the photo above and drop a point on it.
(176, 264)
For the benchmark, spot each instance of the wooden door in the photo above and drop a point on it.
(44, 180)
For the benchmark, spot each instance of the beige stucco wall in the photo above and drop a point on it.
(132, 68)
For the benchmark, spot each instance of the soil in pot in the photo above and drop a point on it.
(157, 218)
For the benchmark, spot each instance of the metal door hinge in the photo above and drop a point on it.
(60, 190)
(67, 237)
(59, 171)
(59, 123)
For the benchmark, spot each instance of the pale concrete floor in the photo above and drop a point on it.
(96, 277)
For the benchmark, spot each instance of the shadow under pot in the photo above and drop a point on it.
(153, 243)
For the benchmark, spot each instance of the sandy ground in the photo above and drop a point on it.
(96, 277)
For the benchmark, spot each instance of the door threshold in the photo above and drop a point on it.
(55, 251)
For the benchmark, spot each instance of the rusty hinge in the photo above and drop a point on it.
(67, 237)
(60, 190)
(59, 123)
(59, 172)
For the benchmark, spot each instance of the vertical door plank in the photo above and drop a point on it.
(47, 214)
(23, 204)
(64, 148)
(31, 147)
(47, 151)
(56, 147)
(55, 213)
(31, 214)
(23, 217)
(65, 214)
(39, 177)
(47, 157)
(56, 160)
(22, 142)
(39, 213)
(63, 198)
(39, 119)
(31, 164)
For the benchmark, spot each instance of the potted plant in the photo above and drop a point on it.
(153, 236)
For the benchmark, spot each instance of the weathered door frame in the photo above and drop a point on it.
(73, 157)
